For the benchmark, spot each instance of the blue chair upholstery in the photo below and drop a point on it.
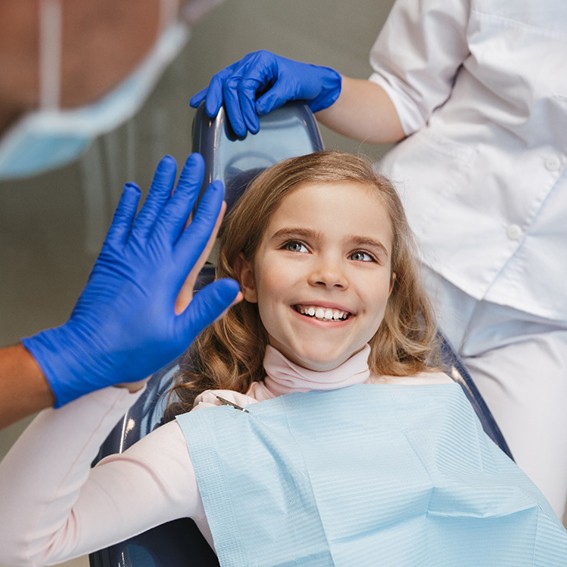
(289, 131)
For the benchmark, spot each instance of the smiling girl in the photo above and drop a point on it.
(350, 447)
(324, 256)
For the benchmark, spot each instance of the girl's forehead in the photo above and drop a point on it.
(334, 206)
(334, 193)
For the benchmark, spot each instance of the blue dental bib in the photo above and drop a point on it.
(373, 474)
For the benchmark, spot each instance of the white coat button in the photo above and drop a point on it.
(514, 232)
(552, 163)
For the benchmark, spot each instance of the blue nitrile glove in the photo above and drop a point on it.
(124, 326)
(262, 82)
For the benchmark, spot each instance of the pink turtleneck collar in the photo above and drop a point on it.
(284, 376)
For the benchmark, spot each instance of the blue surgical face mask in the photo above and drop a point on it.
(50, 137)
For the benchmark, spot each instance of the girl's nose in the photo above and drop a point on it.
(328, 274)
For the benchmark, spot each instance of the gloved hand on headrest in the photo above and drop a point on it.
(125, 326)
(262, 82)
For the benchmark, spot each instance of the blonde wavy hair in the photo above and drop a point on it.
(229, 354)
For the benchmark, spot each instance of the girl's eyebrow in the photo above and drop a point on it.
(369, 243)
(295, 232)
(355, 240)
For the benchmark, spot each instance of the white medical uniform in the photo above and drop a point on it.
(480, 87)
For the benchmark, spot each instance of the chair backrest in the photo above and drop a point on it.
(286, 132)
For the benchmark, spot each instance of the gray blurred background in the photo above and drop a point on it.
(52, 224)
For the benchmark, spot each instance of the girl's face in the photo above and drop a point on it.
(322, 273)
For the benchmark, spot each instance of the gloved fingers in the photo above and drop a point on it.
(247, 97)
(195, 238)
(277, 96)
(158, 196)
(207, 306)
(260, 75)
(230, 93)
(186, 292)
(198, 98)
(214, 100)
(258, 72)
(237, 87)
(225, 89)
(192, 175)
(293, 80)
(213, 94)
(123, 216)
(176, 213)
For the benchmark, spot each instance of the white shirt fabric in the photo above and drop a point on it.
(55, 507)
(480, 87)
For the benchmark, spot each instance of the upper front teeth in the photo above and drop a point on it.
(323, 313)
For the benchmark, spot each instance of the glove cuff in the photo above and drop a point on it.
(331, 84)
(54, 354)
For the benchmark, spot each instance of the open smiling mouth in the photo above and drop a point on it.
(322, 313)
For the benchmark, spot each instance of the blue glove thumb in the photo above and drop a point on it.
(208, 305)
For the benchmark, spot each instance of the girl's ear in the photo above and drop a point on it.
(245, 274)
(392, 282)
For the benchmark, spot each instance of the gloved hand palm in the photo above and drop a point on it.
(262, 82)
(124, 326)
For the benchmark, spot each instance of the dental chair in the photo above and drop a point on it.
(286, 132)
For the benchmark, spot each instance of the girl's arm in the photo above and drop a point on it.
(54, 507)
(363, 112)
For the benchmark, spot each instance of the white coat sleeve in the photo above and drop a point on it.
(418, 54)
(55, 507)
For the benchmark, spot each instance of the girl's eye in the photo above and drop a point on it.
(361, 256)
(295, 246)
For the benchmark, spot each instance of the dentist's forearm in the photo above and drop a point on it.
(363, 112)
(23, 387)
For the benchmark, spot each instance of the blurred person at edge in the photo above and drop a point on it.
(74, 69)
(100, 43)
